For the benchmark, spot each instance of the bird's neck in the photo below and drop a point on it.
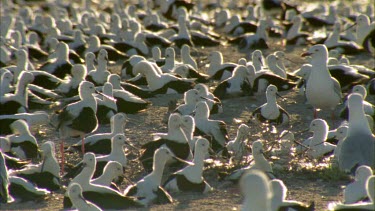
(320, 136)
(157, 171)
(293, 31)
(358, 122)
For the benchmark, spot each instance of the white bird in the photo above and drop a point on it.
(112, 174)
(191, 98)
(4, 181)
(236, 147)
(370, 184)
(80, 203)
(359, 145)
(69, 86)
(214, 129)
(367, 106)
(255, 200)
(317, 145)
(356, 191)
(170, 62)
(190, 178)
(148, 190)
(270, 111)
(99, 75)
(322, 90)
(278, 198)
(186, 57)
(339, 134)
(61, 66)
(260, 163)
(107, 107)
(214, 103)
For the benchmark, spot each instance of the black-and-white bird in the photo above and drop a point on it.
(4, 181)
(18, 102)
(23, 144)
(79, 118)
(215, 130)
(270, 111)
(117, 154)
(237, 85)
(45, 174)
(148, 190)
(217, 70)
(126, 101)
(36, 118)
(162, 83)
(213, 102)
(175, 140)
(190, 178)
(100, 143)
(80, 203)
(191, 98)
(23, 190)
(61, 66)
(104, 197)
(112, 175)
(107, 107)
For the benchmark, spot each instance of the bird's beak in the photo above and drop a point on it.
(183, 161)
(104, 95)
(127, 143)
(349, 27)
(278, 95)
(306, 54)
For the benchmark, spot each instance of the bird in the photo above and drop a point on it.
(257, 40)
(77, 119)
(80, 203)
(214, 103)
(191, 98)
(278, 198)
(359, 145)
(23, 144)
(214, 129)
(17, 102)
(61, 66)
(322, 91)
(69, 87)
(271, 112)
(360, 205)
(162, 83)
(255, 200)
(236, 147)
(149, 190)
(99, 75)
(107, 107)
(356, 191)
(175, 140)
(187, 58)
(112, 175)
(339, 134)
(294, 35)
(190, 178)
(11, 162)
(217, 70)
(187, 71)
(104, 197)
(100, 143)
(117, 154)
(318, 147)
(33, 119)
(236, 85)
(94, 46)
(126, 101)
(368, 107)
(4, 181)
(45, 174)
(260, 163)
(183, 36)
(23, 190)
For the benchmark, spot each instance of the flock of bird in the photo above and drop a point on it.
(57, 64)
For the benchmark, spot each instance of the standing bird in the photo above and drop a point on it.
(79, 118)
(322, 91)
(358, 148)
(270, 111)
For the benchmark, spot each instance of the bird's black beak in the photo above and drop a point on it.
(183, 161)
(104, 95)
(278, 95)
(306, 54)
(349, 27)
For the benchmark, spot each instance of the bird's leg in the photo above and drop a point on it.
(315, 113)
(83, 145)
(62, 156)
(332, 115)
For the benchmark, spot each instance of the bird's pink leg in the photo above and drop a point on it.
(332, 115)
(62, 156)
